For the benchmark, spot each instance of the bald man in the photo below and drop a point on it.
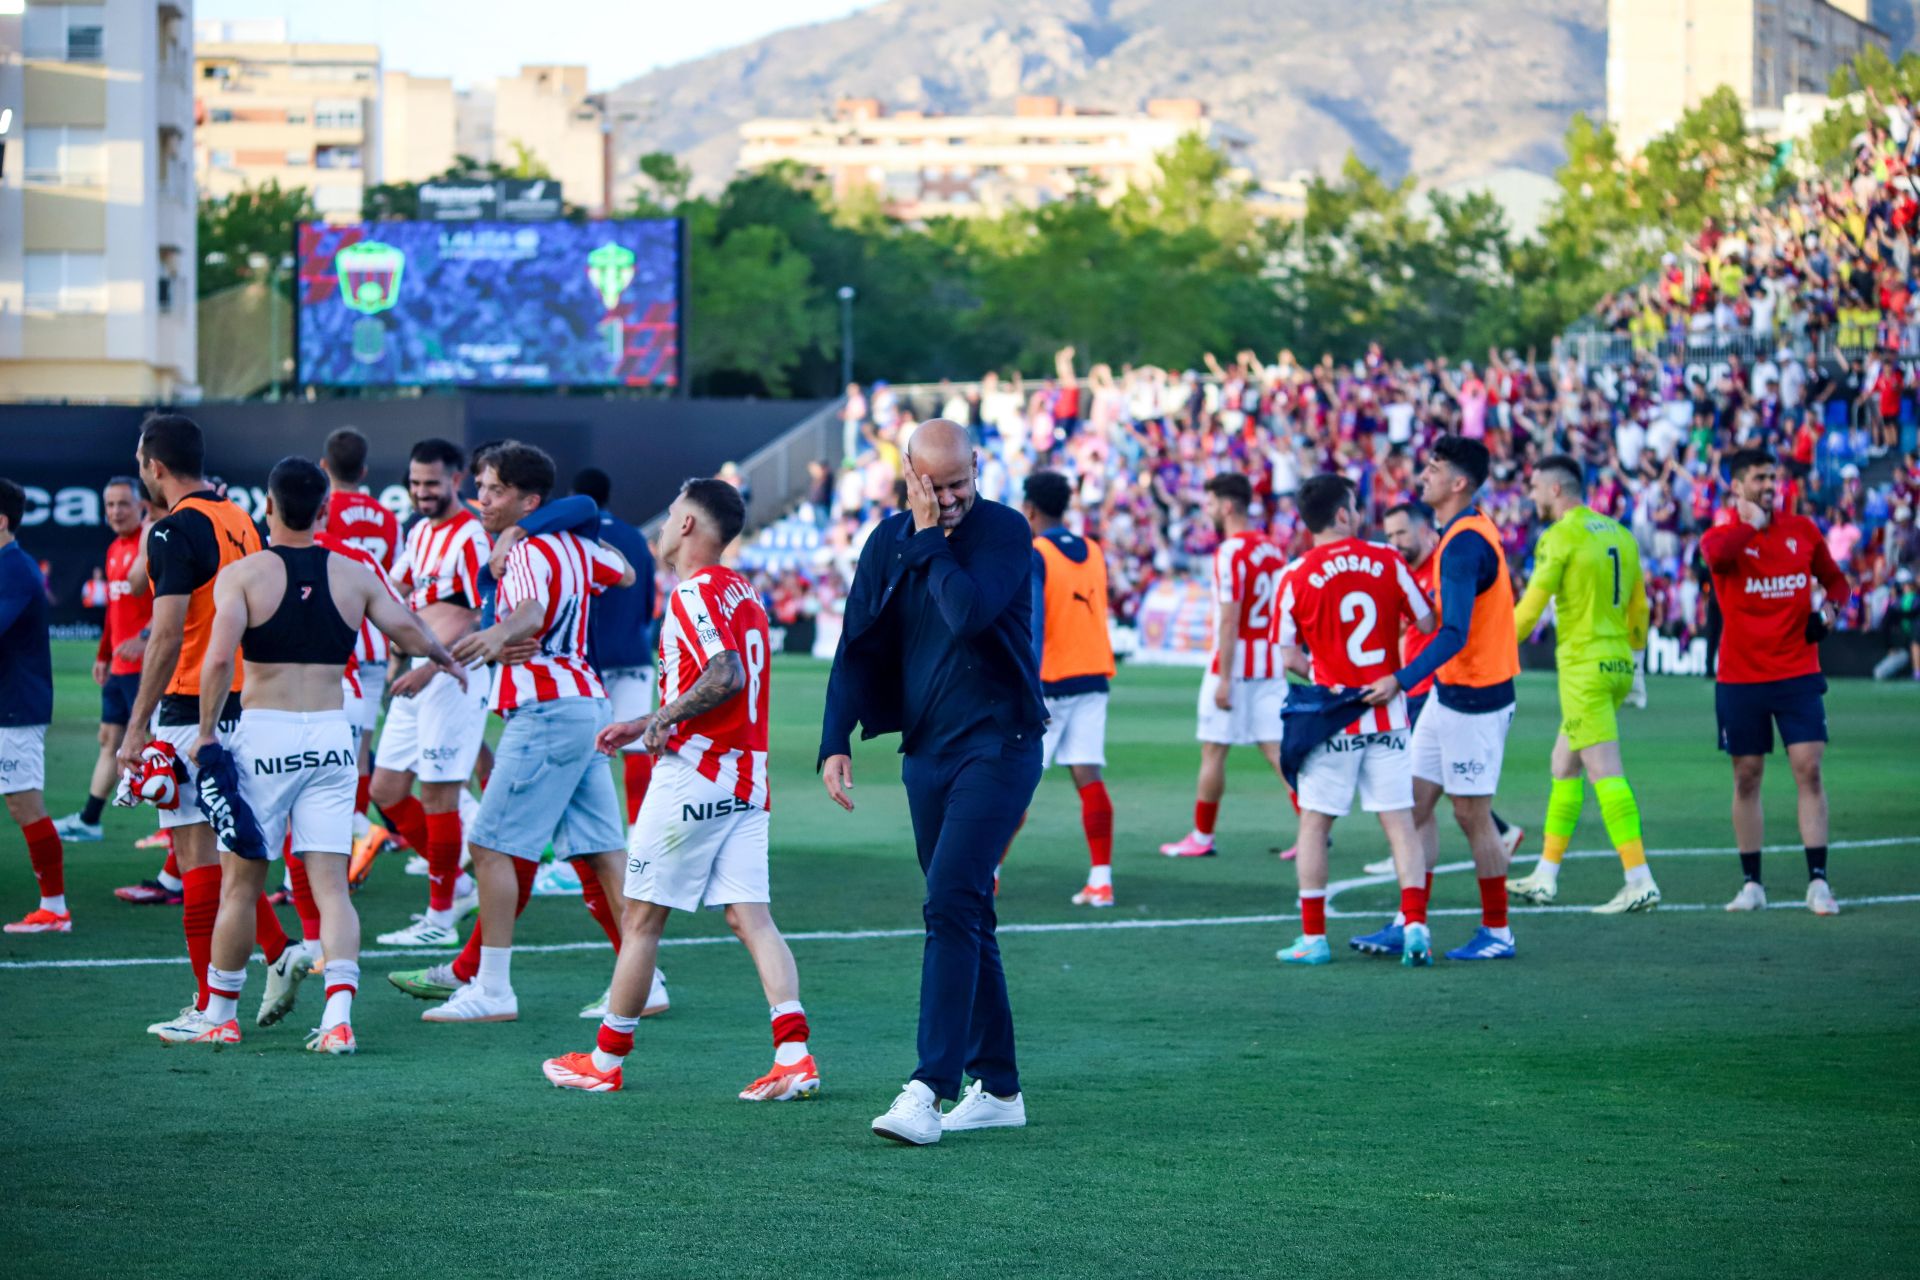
(938, 647)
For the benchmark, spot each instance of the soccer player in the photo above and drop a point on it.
(436, 726)
(1590, 568)
(1765, 565)
(617, 637)
(1076, 662)
(199, 537)
(356, 519)
(116, 667)
(299, 607)
(1460, 739)
(548, 783)
(701, 836)
(1346, 601)
(1409, 529)
(26, 709)
(1244, 688)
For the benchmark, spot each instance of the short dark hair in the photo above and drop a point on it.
(298, 488)
(1572, 477)
(346, 455)
(1741, 461)
(1050, 492)
(1322, 498)
(13, 505)
(1232, 486)
(720, 501)
(1468, 457)
(1416, 512)
(594, 483)
(175, 442)
(525, 467)
(434, 449)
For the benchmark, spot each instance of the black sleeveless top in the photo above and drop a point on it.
(307, 627)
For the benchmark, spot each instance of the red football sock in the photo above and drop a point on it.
(267, 933)
(442, 850)
(595, 895)
(1096, 817)
(172, 865)
(615, 1044)
(1413, 905)
(1313, 913)
(410, 820)
(43, 849)
(1493, 901)
(467, 964)
(1429, 889)
(1204, 812)
(638, 767)
(790, 1028)
(200, 904)
(360, 794)
(303, 904)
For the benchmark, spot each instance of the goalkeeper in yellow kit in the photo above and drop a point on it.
(1589, 566)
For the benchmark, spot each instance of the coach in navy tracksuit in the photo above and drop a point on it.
(938, 646)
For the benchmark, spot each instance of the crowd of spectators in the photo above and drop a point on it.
(1139, 443)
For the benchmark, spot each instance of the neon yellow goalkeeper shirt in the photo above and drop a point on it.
(1589, 566)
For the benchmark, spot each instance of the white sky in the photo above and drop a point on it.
(477, 40)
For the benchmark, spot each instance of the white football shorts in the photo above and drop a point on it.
(1255, 716)
(1076, 730)
(694, 841)
(1461, 751)
(298, 773)
(23, 758)
(630, 690)
(1377, 765)
(436, 735)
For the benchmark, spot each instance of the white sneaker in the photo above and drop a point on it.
(466, 904)
(473, 1004)
(913, 1119)
(284, 977)
(1820, 899)
(657, 1002)
(73, 831)
(422, 933)
(1750, 898)
(416, 865)
(978, 1109)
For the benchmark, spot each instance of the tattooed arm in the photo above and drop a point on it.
(725, 676)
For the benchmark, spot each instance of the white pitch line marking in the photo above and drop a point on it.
(1086, 926)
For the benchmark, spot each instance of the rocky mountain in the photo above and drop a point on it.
(1445, 89)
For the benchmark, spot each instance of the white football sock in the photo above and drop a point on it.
(1100, 877)
(56, 904)
(442, 916)
(172, 884)
(342, 979)
(1642, 874)
(496, 970)
(224, 1008)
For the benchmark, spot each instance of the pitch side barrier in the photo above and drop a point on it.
(63, 454)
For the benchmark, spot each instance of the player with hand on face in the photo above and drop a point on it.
(701, 834)
(116, 667)
(297, 607)
(1766, 565)
(1244, 688)
(1589, 566)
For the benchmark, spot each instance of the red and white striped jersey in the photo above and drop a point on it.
(1346, 604)
(715, 611)
(442, 562)
(558, 573)
(1246, 570)
(373, 645)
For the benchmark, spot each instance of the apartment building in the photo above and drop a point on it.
(1665, 56)
(546, 111)
(923, 165)
(303, 115)
(97, 201)
(417, 123)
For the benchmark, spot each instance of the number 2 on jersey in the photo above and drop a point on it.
(1359, 605)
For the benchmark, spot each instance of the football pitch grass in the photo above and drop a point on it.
(1681, 1093)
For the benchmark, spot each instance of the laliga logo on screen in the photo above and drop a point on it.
(610, 267)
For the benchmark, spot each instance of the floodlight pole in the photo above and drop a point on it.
(846, 336)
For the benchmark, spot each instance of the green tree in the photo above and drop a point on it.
(244, 236)
(751, 324)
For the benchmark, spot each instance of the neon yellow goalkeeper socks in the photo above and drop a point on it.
(1563, 815)
(1621, 813)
